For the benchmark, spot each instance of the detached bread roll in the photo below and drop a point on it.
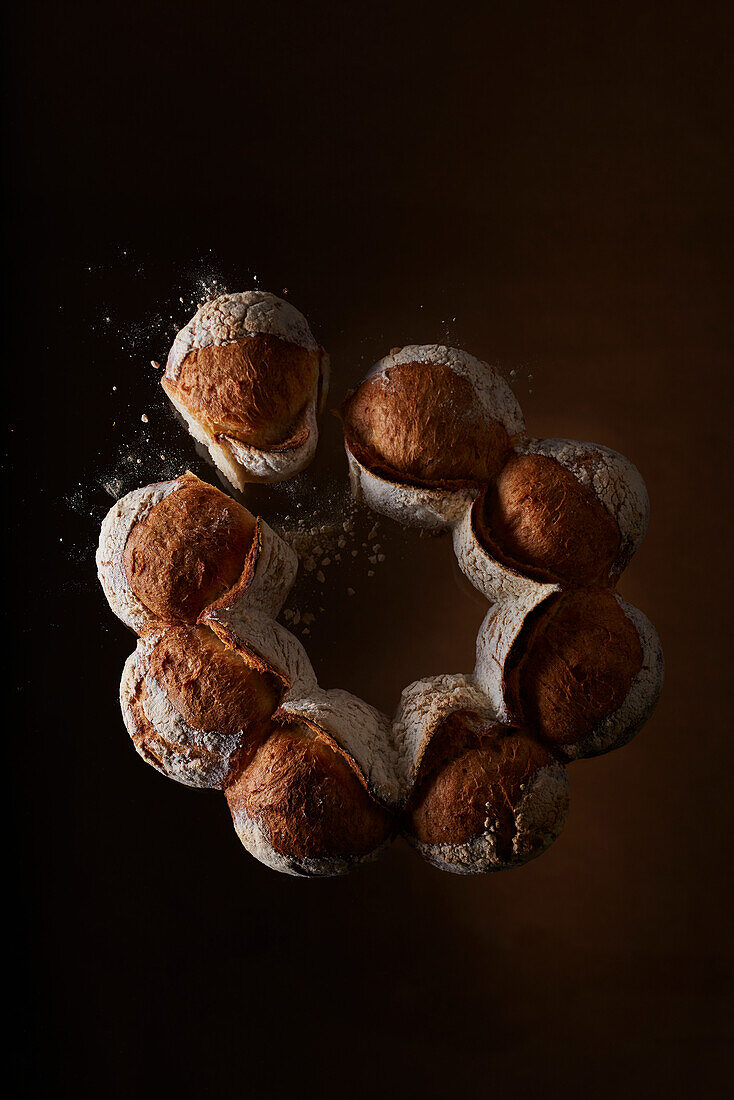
(302, 805)
(427, 426)
(171, 550)
(486, 797)
(564, 511)
(249, 380)
(195, 709)
(582, 669)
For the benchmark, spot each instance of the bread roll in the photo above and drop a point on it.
(581, 668)
(171, 550)
(426, 428)
(249, 380)
(564, 511)
(195, 710)
(302, 806)
(487, 797)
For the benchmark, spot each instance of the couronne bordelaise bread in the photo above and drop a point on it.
(471, 768)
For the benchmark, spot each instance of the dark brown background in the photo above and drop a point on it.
(557, 179)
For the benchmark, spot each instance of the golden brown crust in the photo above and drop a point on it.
(160, 752)
(188, 551)
(471, 780)
(539, 518)
(421, 423)
(572, 665)
(306, 798)
(211, 686)
(256, 389)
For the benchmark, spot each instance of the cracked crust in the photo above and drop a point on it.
(571, 667)
(231, 317)
(623, 724)
(268, 645)
(265, 581)
(169, 549)
(486, 797)
(359, 729)
(615, 482)
(249, 379)
(537, 517)
(194, 709)
(497, 580)
(351, 725)
(427, 427)
(559, 512)
(116, 527)
(187, 551)
(497, 635)
(424, 706)
(301, 805)
(432, 509)
(488, 388)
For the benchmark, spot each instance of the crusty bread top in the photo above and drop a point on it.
(201, 550)
(572, 664)
(165, 740)
(195, 710)
(210, 686)
(615, 481)
(187, 550)
(538, 517)
(432, 415)
(307, 799)
(491, 390)
(231, 317)
(113, 535)
(472, 777)
(256, 390)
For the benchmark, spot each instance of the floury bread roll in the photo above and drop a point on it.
(562, 511)
(302, 805)
(486, 797)
(425, 430)
(249, 379)
(476, 795)
(172, 549)
(194, 709)
(581, 668)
